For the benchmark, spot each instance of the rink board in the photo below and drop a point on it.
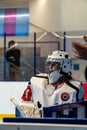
(59, 124)
(72, 121)
(20, 123)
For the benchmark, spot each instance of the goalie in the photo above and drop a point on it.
(55, 87)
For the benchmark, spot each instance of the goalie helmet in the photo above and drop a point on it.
(57, 64)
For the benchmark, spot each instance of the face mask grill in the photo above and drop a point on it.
(52, 66)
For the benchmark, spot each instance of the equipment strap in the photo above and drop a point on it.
(74, 87)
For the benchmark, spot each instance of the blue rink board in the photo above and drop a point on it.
(72, 121)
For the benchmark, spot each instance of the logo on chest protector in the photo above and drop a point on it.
(65, 96)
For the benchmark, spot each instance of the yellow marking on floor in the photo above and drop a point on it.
(6, 115)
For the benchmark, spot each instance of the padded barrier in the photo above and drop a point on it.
(46, 120)
(47, 111)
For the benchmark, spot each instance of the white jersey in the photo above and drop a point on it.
(47, 95)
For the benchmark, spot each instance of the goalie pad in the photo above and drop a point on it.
(29, 110)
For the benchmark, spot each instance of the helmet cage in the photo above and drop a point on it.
(61, 60)
(52, 66)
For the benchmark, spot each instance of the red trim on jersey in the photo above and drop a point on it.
(27, 94)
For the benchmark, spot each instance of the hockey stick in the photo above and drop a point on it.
(13, 100)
